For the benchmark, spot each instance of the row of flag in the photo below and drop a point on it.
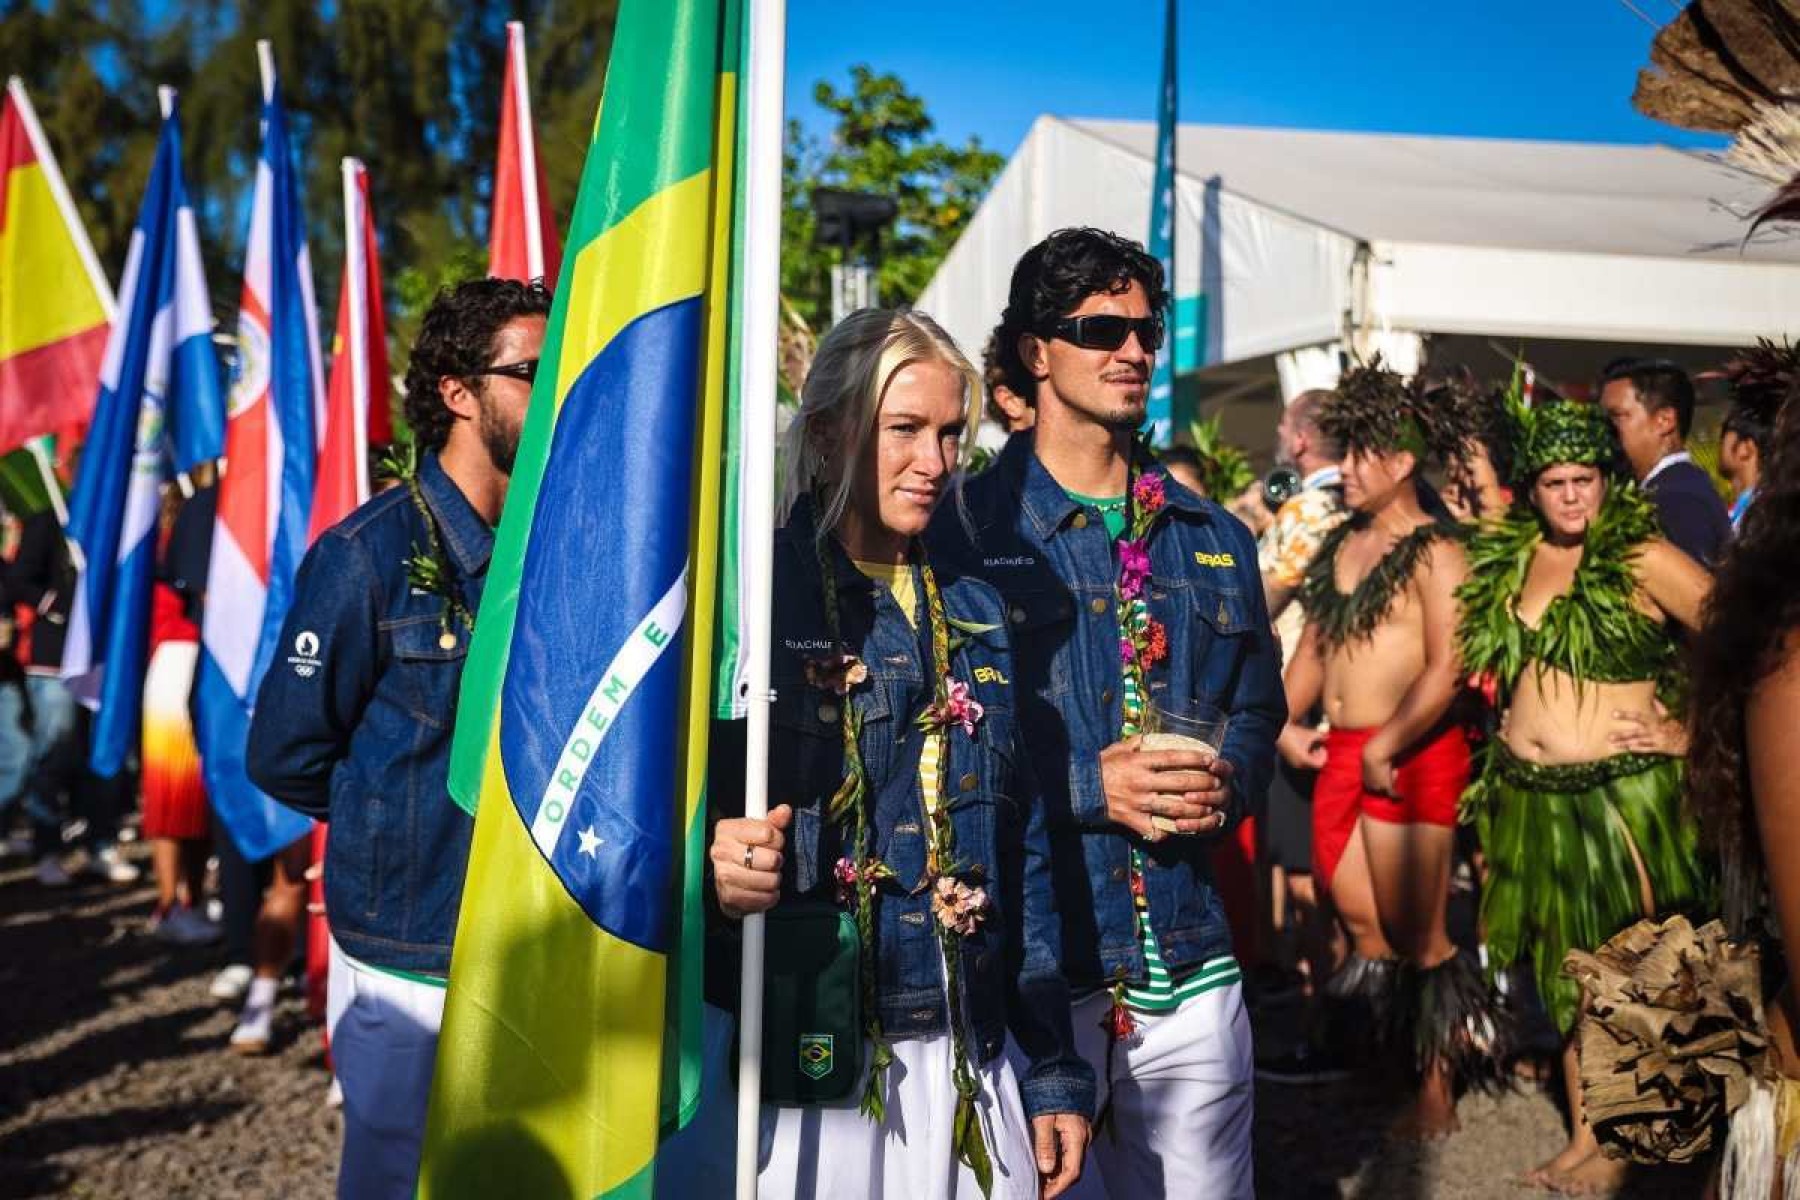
(136, 384)
(570, 1052)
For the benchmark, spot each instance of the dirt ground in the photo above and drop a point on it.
(115, 1082)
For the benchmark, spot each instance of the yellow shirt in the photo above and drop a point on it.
(899, 579)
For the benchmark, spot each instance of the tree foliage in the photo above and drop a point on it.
(412, 87)
(881, 140)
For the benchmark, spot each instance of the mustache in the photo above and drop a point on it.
(1132, 375)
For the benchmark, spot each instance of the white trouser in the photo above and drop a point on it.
(384, 1034)
(1181, 1091)
(836, 1153)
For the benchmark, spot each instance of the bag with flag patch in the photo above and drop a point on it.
(812, 1006)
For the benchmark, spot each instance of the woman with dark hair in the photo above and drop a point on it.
(1744, 768)
(1578, 803)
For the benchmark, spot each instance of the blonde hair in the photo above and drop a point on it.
(855, 363)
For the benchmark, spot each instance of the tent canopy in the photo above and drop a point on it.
(1294, 242)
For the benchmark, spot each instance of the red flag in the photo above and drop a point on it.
(522, 236)
(357, 403)
(356, 417)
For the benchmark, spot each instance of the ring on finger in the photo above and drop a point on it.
(749, 857)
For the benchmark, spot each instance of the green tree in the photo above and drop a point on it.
(882, 140)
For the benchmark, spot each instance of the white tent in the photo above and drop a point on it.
(1293, 245)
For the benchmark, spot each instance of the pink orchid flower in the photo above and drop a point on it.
(1134, 568)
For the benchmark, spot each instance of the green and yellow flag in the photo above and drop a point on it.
(570, 1045)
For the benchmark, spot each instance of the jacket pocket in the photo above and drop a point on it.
(1041, 626)
(429, 662)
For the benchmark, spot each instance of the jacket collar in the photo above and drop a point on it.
(1048, 505)
(469, 538)
(801, 528)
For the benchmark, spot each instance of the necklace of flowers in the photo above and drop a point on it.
(1143, 642)
(959, 908)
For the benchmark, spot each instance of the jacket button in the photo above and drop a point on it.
(968, 782)
(1097, 605)
(828, 713)
(1118, 873)
(1080, 521)
(1106, 696)
(1017, 615)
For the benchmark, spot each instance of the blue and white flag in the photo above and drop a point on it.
(1161, 413)
(159, 395)
(265, 499)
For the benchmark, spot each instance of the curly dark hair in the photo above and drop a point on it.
(1755, 604)
(1376, 409)
(1762, 377)
(1052, 279)
(994, 375)
(457, 337)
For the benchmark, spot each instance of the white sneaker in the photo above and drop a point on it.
(182, 926)
(256, 1027)
(231, 983)
(111, 866)
(50, 873)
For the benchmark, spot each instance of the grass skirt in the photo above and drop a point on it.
(1559, 846)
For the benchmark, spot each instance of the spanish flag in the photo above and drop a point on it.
(56, 308)
(570, 1043)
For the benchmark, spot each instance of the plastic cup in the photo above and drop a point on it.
(1183, 725)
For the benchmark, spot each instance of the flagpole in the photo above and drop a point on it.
(265, 64)
(357, 270)
(59, 191)
(757, 351)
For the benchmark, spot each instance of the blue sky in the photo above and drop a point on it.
(1558, 69)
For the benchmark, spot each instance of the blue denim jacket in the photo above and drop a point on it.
(353, 722)
(1010, 965)
(1052, 560)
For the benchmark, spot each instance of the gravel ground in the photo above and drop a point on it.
(115, 1082)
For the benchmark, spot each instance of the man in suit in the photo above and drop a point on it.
(1651, 405)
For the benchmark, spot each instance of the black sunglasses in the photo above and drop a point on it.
(526, 370)
(1104, 331)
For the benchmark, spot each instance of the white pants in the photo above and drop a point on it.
(836, 1153)
(1181, 1093)
(384, 1034)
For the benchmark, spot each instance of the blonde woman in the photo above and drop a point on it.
(907, 848)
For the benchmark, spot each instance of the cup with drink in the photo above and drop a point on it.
(1183, 723)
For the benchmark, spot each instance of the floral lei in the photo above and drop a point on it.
(959, 908)
(1143, 642)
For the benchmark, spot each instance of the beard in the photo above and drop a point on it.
(500, 437)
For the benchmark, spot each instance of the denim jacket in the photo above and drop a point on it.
(353, 722)
(1010, 965)
(1054, 564)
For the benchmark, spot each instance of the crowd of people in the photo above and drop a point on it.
(1076, 770)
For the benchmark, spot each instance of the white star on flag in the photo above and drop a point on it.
(590, 842)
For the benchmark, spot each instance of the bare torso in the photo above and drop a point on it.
(1366, 679)
(1555, 719)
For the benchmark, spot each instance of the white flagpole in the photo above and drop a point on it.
(356, 274)
(766, 40)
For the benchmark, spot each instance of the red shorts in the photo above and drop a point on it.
(1429, 778)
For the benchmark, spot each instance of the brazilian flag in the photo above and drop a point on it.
(570, 1044)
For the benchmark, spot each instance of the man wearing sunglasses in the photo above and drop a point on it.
(1126, 593)
(353, 721)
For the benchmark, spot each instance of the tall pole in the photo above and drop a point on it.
(1161, 414)
(757, 361)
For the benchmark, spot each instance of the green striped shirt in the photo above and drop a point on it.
(1162, 991)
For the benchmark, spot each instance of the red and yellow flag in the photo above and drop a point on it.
(56, 308)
